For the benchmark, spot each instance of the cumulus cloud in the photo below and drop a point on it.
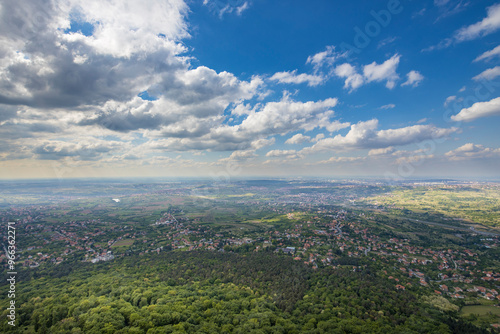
(83, 150)
(489, 54)
(242, 155)
(478, 110)
(365, 135)
(191, 105)
(472, 151)
(381, 151)
(44, 65)
(353, 79)
(488, 74)
(403, 156)
(299, 138)
(287, 115)
(413, 79)
(385, 72)
(95, 83)
(294, 78)
(262, 122)
(282, 153)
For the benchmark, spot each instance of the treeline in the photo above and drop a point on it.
(215, 292)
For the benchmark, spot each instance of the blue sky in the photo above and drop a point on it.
(229, 88)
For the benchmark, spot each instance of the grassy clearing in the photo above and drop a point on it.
(126, 242)
(480, 310)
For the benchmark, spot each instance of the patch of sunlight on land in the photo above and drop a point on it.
(242, 195)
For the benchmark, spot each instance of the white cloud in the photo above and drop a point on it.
(413, 159)
(288, 115)
(449, 99)
(341, 160)
(353, 79)
(87, 85)
(334, 126)
(241, 109)
(447, 8)
(371, 73)
(130, 27)
(242, 155)
(381, 151)
(488, 74)
(81, 150)
(41, 65)
(221, 7)
(294, 78)
(472, 151)
(478, 110)
(324, 58)
(364, 135)
(299, 138)
(281, 153)
(488, 25)
(388, 106)
(386, 41)
(242, 8)
(383, 72)
(263, 121)
(263, 142)
(320, 136)
(489, 54)
(414, 79)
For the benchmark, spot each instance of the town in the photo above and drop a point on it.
(319, 229)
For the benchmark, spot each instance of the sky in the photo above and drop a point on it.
(231, 88)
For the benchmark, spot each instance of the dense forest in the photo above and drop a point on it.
(219, 292)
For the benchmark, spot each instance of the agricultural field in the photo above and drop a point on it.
(475, 204)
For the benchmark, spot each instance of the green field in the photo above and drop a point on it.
(126, 242)
(480, 310)
(474, 204)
